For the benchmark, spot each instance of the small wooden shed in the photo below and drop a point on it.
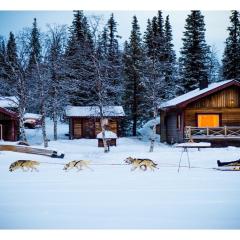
(209, 114)
(9, 123)
(84, 121)
(110, 137)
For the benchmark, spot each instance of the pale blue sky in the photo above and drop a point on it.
(216, 22)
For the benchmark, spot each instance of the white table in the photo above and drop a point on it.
(186, 146)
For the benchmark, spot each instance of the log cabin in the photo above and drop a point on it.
(9, 123)
(210, 113)
(84, 121)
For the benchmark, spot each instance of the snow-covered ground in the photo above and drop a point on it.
(112, 196)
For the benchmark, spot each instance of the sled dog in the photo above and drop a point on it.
(77, 164)
(28, 164)
(143, 164)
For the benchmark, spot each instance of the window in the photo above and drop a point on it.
(178, 121)
(208, 120)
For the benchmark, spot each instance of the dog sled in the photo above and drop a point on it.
(229, 166)
(31, 150)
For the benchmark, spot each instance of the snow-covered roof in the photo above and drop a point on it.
(93, 111)
(32, 115)
(108, 134)
(194, 93)
(8, 102)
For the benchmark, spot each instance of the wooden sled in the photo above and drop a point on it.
(31, 150)
(229, 168)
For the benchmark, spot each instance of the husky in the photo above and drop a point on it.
(143, 164)
(28, 164)
(77, 164)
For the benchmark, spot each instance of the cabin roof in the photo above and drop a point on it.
(32, 115)
(93, 111)
(8, 112)
(196, 94)
(8, 102)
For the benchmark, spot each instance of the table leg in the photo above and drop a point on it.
(188, 158)
(179, 165)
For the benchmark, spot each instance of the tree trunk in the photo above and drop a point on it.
(105, 145)
(152, 140)
(55, 125)
(44, 134)
(21, 125)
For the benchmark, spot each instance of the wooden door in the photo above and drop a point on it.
(88, 128)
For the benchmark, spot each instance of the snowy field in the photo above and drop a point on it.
(112, 196)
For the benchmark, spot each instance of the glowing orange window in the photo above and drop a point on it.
(208, 120)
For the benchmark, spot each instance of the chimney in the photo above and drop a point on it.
(203, 84)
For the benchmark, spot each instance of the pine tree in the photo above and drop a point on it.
(133, 89)
(214, 66)
(56, 38)
(152, 80)
(79, 62)
(170, 67)
(231, 56)
(35, 46)
(114, 59)
(14, 82)
(3, 66)
(12, 58)
(194, 53)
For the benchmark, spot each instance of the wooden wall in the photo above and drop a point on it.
(89, 127)
(228, 116)
(227, 98)
(225, 102)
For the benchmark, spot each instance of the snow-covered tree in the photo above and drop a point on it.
(231, 56)
(170, 65)
(114, 60)
(133, 70)
(56, 40)
(194, 53)
(153, 73)
(14, 81)
(78, 60)
(214, 66)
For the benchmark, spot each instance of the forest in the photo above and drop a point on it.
(85, 65)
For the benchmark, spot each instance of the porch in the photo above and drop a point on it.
(223, 136)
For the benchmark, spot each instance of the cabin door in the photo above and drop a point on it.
(88, 128)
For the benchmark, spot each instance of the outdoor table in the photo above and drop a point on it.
(186, 146)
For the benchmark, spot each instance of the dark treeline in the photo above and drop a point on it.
(85, 65)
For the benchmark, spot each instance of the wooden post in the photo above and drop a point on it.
(207, 131)
(1, 133)
(13, 135)
(225, 131)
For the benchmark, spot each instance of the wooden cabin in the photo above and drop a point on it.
(210, 114)
(84, 122)
(8, 125)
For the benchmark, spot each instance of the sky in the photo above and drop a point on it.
(216, 23)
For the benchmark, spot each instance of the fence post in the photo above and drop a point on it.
(207, 131)
(225, 130)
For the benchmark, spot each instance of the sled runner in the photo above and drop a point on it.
(228, 168)
(233, 163)
(31, 150)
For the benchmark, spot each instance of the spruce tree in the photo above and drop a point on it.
(34, 47)
(12, 58)
(170, 67)
(79, 61)
(3, 57)
(231, 56)
(133, 89)
(114, 60)
(194, 53)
